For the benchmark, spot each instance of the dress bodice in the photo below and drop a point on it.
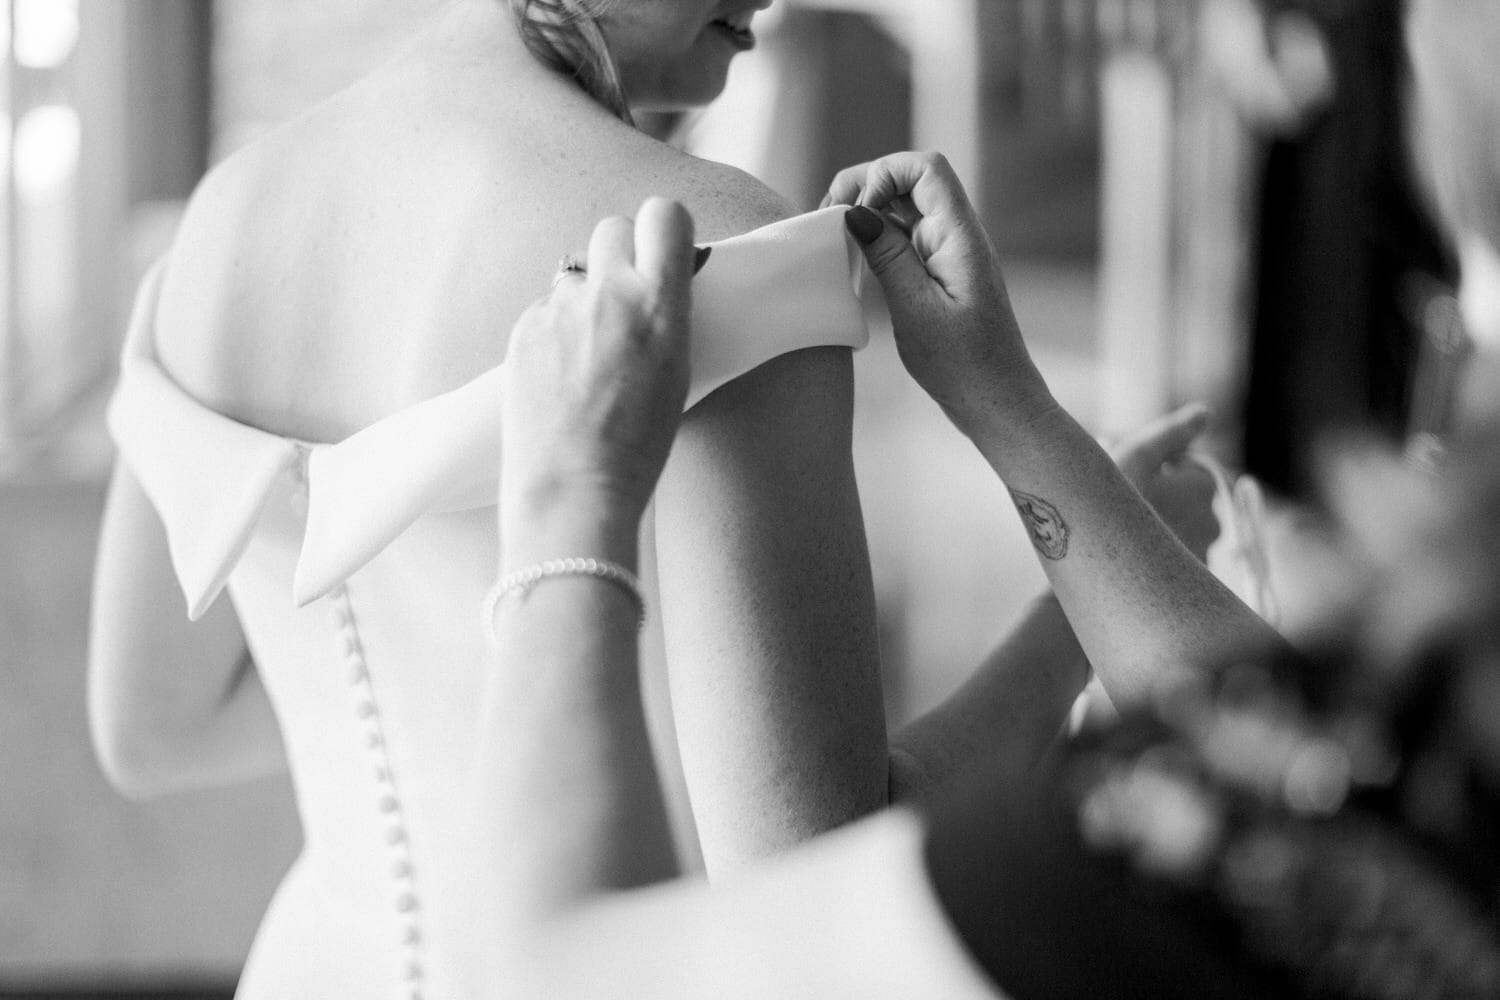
(357, 569)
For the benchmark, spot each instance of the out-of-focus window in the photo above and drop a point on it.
(103, 132)
(46, 363)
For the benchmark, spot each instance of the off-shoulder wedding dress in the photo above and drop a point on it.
(357, 569)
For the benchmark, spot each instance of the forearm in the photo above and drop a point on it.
(240, 741)
(769, 612)
(1011, 711)
(173, 704)
(565, 777)
(166, 746)
(1143, 607)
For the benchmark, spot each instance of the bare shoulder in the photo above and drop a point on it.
(807, 392)
(724, 200)
(215, 236)
(812, 386)
(247, 279)
(216, 266)
(296, 252)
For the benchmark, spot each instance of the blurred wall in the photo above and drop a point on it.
(93, 887)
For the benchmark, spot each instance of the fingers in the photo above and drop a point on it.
(892, 258)
(633, 303)
(663, 227)
(570, 270)
(846, 187)
(1167, 438)
(849, 185)
(926, 179)
(612, 247)
(664, 254)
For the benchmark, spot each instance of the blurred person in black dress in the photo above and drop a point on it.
(1346, 255)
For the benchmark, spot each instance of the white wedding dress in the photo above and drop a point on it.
(357, 569)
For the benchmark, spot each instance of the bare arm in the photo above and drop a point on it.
(1011, 711)
(569, 785)
(769, 612)
(572, 833)
(595, 378)
(174, 705)
(769, 617)
(1143, 607)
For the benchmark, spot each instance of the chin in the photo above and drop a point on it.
(672, 105)
(686, 92)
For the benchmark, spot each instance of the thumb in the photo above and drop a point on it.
(892, 258)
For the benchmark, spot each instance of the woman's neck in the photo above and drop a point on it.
(479, 39)
(481, 29)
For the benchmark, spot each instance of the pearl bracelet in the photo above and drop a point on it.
(522, 580)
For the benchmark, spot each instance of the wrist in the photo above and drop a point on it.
(1010, 420)
(551, 520)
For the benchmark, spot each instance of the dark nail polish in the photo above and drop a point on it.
(700, 257)
(865, 225)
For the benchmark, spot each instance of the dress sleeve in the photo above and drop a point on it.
(790, 285)
(207, 476)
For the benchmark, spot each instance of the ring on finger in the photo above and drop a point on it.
(568, 265)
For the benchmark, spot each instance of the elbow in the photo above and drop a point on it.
(143, 751)
(137, 757)
(131, 765)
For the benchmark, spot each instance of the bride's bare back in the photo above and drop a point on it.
(377, 250)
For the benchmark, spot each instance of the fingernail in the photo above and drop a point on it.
(700, 257)
(865, 225)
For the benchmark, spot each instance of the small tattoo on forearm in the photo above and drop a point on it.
(1045, 524)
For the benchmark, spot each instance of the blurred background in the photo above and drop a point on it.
(1166, 179)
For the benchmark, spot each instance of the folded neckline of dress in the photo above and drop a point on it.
(440, 454)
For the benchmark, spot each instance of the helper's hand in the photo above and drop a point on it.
(1155, 459)
(596, 373)
(954, 326)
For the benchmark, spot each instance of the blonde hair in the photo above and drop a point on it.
(565, 35)
(1456, 120)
